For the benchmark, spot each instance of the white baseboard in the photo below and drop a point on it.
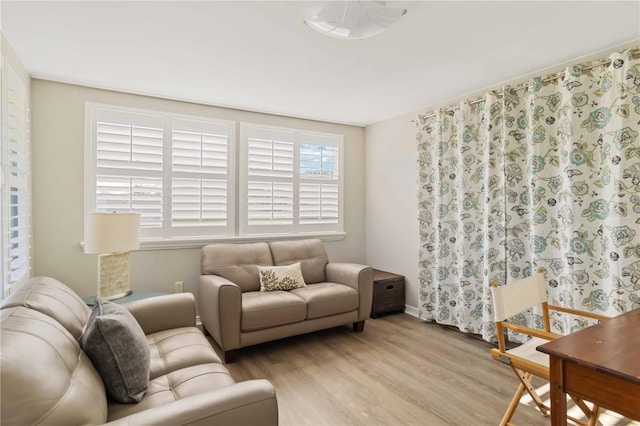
(411, 311)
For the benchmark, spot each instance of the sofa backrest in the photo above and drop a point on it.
(310, 253)
(45, 377)
(236, 262)
(54, 299)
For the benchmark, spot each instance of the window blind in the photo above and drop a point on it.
(292, 181)
(270, 171)
(319, 189)
(200, 161)
(131, 194)
(129, 165)
(14, 156)
(175, 171)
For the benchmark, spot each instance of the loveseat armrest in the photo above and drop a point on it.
(220, 307)
(246, 403)
(164, 312)
(359, 277)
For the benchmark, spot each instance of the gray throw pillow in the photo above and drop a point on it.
(118, 348)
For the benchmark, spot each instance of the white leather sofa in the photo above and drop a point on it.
(237, 314)
(47, 379)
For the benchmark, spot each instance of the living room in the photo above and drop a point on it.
(215, 59)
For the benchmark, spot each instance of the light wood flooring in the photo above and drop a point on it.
(399, 371)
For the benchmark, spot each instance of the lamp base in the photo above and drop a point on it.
(114, 281)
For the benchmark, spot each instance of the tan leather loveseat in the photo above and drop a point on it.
(237, 314)
(47, 379)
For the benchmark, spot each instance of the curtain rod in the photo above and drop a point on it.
(634, 53)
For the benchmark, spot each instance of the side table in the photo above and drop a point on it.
(136, 295)
(388, 293)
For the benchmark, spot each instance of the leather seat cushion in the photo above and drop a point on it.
(324, 299)
(179, 348)
(175, 386)
(266, 309)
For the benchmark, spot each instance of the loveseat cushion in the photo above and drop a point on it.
(119, 350)
(45, 376)
(174, 386)
(310, 253)
(270, 309)
(179, 348)
(54, 299)
(236, 262)
(324, 299)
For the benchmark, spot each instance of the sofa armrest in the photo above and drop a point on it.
(359, 277)
(246, 403)
(220, 308)
(164, 312)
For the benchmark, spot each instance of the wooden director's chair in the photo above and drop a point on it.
(525, 360)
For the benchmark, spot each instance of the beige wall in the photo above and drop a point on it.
(391, 202)
(58, 199)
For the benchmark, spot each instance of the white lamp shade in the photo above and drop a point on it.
(111, 232)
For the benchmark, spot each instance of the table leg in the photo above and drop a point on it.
(558, 396)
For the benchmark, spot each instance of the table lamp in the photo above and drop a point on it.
(111, 236)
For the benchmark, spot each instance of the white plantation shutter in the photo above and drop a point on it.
(270, 203)
(291, 181)
(131, 194)
(200, 156)
(270, 172)
(177, 172)
(319, 186)
(199, 202)
(124, 146)
(129, 164)
(14, 191)
(319, 203)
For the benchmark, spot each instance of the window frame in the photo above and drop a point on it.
(236, 232)
(295, 229)
(167, 235)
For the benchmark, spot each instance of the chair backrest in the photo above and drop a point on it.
(237, 262)
(45, 377)
(54, 299)
(518, 296)
(310, 253)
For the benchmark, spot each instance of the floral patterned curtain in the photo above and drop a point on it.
(542, 176)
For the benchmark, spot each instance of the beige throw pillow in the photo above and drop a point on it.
(274, 278)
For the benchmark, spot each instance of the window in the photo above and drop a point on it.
(179, 172)
(14, 190)
(175, 171)
(291, 181)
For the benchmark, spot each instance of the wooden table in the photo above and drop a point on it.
(600, 364)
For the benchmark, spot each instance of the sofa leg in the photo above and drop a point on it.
(358, 326)
(230, 356)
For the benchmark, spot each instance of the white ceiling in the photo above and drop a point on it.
(260, 56)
